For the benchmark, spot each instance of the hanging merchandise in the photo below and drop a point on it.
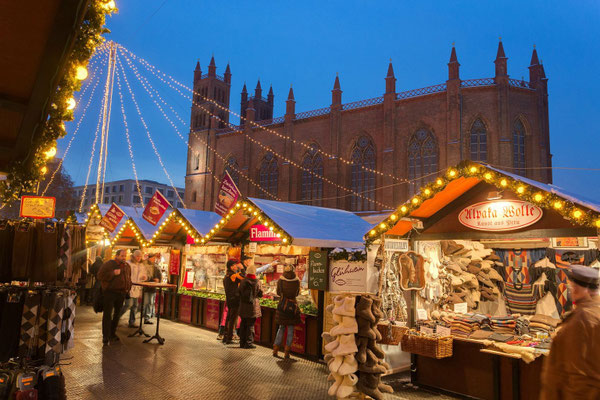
(412, 271)
(393, 303)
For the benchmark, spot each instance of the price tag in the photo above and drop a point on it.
(280, 268)
(252, 247)
(421, 314)
(443, 331)
(426, 330)
(190, 276)
(461, 308)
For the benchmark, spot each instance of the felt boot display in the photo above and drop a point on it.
(346, 327)
(334, 388)
(331, 346)
(365, 388)
(349, 366)
(361, 355)
(347, 346)
(365, 330)
(347, 386)
(363, 309)
(336, 364)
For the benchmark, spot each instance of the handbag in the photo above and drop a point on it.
(99, 301)
(287, 306)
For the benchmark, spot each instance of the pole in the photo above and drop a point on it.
(104, 131)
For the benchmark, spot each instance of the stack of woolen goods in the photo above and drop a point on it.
(351, 346)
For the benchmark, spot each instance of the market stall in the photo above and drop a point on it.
(475, 264)
(279, 234)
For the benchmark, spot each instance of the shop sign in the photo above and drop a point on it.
(317, 270)
(112, 218)
(185, 309)
(396, 244)
(155, 208)
(228, 195)
(299, 339)
(348, 276)
(260, 233)
(213, 312)
(174, 262)
(37, 207)
(500, 215)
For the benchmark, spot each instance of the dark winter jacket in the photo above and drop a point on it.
(288, 287)
(250, 295)
(115, 283)
(231, 283)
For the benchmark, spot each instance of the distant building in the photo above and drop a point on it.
(410, 135)
(125, 193)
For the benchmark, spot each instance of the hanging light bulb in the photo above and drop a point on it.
(44, 170)
(71, 104)
(110, 5)
(81, 72)
(50, 153)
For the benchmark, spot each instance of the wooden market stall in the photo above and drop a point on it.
(526, 231)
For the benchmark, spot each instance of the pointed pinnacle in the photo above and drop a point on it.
(453, 57)
(291, 94)
(336, 85)
(534, 58)
(500, 53)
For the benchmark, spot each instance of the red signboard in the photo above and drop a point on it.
(37, 207)
(257, 330)
(260, 233)
(228, 195)
(212, 314)
(185, 309)
(299, 340)
(174, 262)
(500, 215)
(155, 208)
(112, 218)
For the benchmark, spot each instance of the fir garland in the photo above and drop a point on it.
(577, 214)
(24, 175)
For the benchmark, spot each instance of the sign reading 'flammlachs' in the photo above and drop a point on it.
(500, 215)
(260, 233)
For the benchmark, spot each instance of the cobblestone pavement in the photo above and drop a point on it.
(191, 364)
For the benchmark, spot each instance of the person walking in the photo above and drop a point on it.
(288, 312)
(154, 275)
(115, 279)
(231, 283)
(138, 274)
(250, 295)
(572, 370)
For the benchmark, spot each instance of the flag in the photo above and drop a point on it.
(155, 208)
(228, 195)
(112, 218)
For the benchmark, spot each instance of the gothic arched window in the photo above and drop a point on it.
(312, 186)
(422, 159)
(194, 196)
(478, 141)
(268, 174)
(362, 180)
(518, 143)
(232, 167)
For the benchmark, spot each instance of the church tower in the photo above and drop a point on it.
(210, 90)
(263, 106)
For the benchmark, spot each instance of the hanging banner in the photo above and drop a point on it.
(185, 309)
(37, 207)
(174, 262)
(213, 312)
(500, 215)
(260, 233)
(155, 208)
(228, 195)
(112, 218)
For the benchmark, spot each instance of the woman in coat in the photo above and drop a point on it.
(288, 313)
(250, 295)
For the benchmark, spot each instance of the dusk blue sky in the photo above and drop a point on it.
(305, 43)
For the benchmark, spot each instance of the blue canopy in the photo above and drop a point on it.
(201, 221)
(316, 226)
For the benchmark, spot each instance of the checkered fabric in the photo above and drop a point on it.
(47, 300)
(53, 340)
(29, 325)
(68, 328)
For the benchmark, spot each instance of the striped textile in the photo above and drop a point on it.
(522, 300)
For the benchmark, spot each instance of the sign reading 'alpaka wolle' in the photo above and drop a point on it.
(500, 215)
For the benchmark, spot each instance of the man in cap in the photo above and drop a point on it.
(572, 370)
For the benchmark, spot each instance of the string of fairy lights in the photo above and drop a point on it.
(205, 143)
(467, 169)
(306, 145)
(137, 107)
(129, 147)
(93, 83)
(283, 157)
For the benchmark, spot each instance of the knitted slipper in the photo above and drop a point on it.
(385, 388)
(365, 330)
(336, 364)
(334, 388)
(361, 355)
(347, 386)
(363, 309)
(347, 346)
(376, 309)
(347, 327)
(349, 366)
(374, 393)
(374, 347)
(331, 346)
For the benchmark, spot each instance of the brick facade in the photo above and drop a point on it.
(409, 133)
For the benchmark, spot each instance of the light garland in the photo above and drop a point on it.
(289, 161)
(23, 175)
(214, 151)
(89, 101)
(137, 107)
(306, 145)
(250, 209)
(137, 183)
(136, 231)
(177, 216)
(467, 169)
(94, 210)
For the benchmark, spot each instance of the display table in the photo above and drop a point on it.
(477, 372)
(160, 287)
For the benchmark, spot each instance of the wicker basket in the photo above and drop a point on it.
(391, 334)
(427, 345)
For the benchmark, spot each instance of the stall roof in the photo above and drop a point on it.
(201, 221)
(463, 177)
(305, 225)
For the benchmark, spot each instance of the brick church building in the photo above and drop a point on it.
(409, 135)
